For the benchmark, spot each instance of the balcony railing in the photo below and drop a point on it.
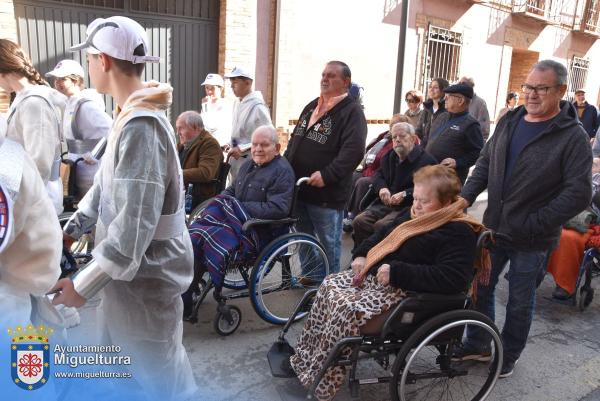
(547, 11)
(587, 19)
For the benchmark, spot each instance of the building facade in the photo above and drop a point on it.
(287, 42)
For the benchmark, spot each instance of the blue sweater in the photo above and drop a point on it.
(264, 191)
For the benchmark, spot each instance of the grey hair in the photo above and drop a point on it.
(192, 119)
(559, 70)
(271, 131)
(406, 127)
(467, 81)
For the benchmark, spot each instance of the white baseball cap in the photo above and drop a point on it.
(117, 37)
(239, 72)
(213, 79)
(65, 68)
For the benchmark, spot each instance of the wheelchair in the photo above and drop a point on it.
(274, 282)
(80, 252)
(589, 268)
(415, 347)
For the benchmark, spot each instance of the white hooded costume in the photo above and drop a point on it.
(84, 124)
(34, 121)
(31, 243)
(142, 243)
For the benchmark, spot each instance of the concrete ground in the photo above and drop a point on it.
(561, 361)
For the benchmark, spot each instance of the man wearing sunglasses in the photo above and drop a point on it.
(537, 170)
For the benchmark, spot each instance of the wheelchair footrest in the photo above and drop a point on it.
(279, 356)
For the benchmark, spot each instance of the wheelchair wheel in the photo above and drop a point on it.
(288, 267)
(585, 295)
(224, 326)
(424, 370)
(82, 248)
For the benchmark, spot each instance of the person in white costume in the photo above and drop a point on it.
(249, 113)
(34, 117)
(84, 122)
(30, 236)
(143, 259)
(216, 109)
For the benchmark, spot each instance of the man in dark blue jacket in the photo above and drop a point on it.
(588, 115)
(265, 184)
(457, 141)
(537, 170)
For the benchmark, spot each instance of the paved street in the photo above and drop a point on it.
(561, 361)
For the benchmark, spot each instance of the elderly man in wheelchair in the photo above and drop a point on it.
(263, 189)
(374, 308)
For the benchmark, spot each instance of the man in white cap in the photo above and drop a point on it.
(216, 109)
(84, 123)
(249, 113)
(143, 255)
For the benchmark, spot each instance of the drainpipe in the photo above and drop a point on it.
(400, 64)
(275, 62)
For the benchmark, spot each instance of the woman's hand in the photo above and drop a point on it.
(358, 264)
(383, 274)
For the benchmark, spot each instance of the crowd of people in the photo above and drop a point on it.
(403, 197)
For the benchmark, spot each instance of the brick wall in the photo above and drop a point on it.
(8, 30)
(237, 35)
(521, 63)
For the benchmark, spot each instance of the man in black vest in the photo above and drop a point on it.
(456, 143)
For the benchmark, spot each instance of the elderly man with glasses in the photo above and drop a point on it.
(393, 183)
(537, 170)
(456, 141)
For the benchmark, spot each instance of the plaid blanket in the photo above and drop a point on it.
(218, 240)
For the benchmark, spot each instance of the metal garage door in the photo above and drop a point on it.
(184, 33)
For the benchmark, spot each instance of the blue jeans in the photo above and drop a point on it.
(524, 269)
(325, 224)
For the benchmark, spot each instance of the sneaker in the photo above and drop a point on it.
(468, 353)
(507, 368)
(560, 293)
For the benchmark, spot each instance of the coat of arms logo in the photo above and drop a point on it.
(30, 356)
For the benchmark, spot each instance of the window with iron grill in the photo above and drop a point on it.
(442, 58)
(577, 76)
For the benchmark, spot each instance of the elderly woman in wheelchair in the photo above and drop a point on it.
(433, 250)
(263, 190)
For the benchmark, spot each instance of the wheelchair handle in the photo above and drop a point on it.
(302, 180)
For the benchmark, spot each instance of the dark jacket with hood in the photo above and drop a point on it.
(334, 145)
(549, 184)
(430, 121)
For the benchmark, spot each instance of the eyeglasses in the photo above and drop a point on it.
(411, 100)
(540, 90)
(452, 95)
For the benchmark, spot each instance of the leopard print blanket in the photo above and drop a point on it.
(339, 310)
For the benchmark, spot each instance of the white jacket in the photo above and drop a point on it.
(248, 114)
